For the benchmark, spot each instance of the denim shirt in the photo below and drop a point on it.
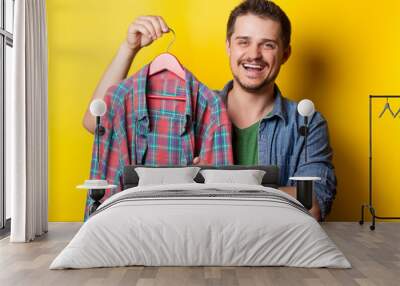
(279, 143)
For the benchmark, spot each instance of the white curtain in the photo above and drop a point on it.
(26, 123)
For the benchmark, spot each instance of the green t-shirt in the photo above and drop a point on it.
(245, 145)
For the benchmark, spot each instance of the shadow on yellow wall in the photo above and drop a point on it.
(342, 52)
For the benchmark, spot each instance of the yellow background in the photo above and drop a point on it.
(342, 52)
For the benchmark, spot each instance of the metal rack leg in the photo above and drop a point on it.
(372, 210)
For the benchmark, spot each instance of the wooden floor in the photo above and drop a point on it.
(375, 256)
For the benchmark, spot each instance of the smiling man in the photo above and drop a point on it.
(265, 124)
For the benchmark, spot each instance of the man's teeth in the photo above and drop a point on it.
(251, 66)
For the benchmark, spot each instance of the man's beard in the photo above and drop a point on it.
(253, 88)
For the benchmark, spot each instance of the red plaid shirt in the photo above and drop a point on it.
(174, 120)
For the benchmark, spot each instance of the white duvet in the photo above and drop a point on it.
(207, 230)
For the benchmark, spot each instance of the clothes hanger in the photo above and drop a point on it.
(398, 112)
(387, 107)
(167, 61)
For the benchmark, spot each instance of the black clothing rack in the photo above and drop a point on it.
(369, 205)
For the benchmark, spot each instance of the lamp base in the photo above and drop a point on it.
(96, 195)
(304, 190)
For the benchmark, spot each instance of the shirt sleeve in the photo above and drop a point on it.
(217, 146)
(319, 163)
(214, 131)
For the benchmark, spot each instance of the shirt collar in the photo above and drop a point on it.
(141, 78)
(278, 110)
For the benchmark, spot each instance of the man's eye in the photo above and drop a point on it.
(269, 45)
(242, 43)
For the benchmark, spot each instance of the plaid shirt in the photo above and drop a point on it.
(175, 120)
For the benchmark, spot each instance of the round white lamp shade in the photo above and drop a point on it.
(306, 108)
(98, 107)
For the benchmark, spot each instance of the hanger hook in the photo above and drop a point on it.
(173, 40)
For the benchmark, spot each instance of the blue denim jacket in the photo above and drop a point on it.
(279, 143)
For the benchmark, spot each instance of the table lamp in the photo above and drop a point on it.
(97, 188)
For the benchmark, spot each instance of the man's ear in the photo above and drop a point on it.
(228, 47)
(286, 54)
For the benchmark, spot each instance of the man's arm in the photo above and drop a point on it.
(142, 32)
(115, 72)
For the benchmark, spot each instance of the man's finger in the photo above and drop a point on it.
(196, 160)
(149, 27)
(143, 30)
(156, 25)
(163, 24)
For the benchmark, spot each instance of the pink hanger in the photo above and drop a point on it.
(168, 62)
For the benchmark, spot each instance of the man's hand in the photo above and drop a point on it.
(144, 30)
(197, 161)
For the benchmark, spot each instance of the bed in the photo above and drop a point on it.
(201, 224)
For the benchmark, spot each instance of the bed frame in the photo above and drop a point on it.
(130, 179)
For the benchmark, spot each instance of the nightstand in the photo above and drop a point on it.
(97, 189)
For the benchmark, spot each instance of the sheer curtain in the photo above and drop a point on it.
(26, 124)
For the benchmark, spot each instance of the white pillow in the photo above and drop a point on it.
(163, 176)
(249, 177)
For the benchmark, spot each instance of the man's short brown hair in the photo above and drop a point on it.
(265, 9)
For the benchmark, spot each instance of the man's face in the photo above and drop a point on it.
(256, 52)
